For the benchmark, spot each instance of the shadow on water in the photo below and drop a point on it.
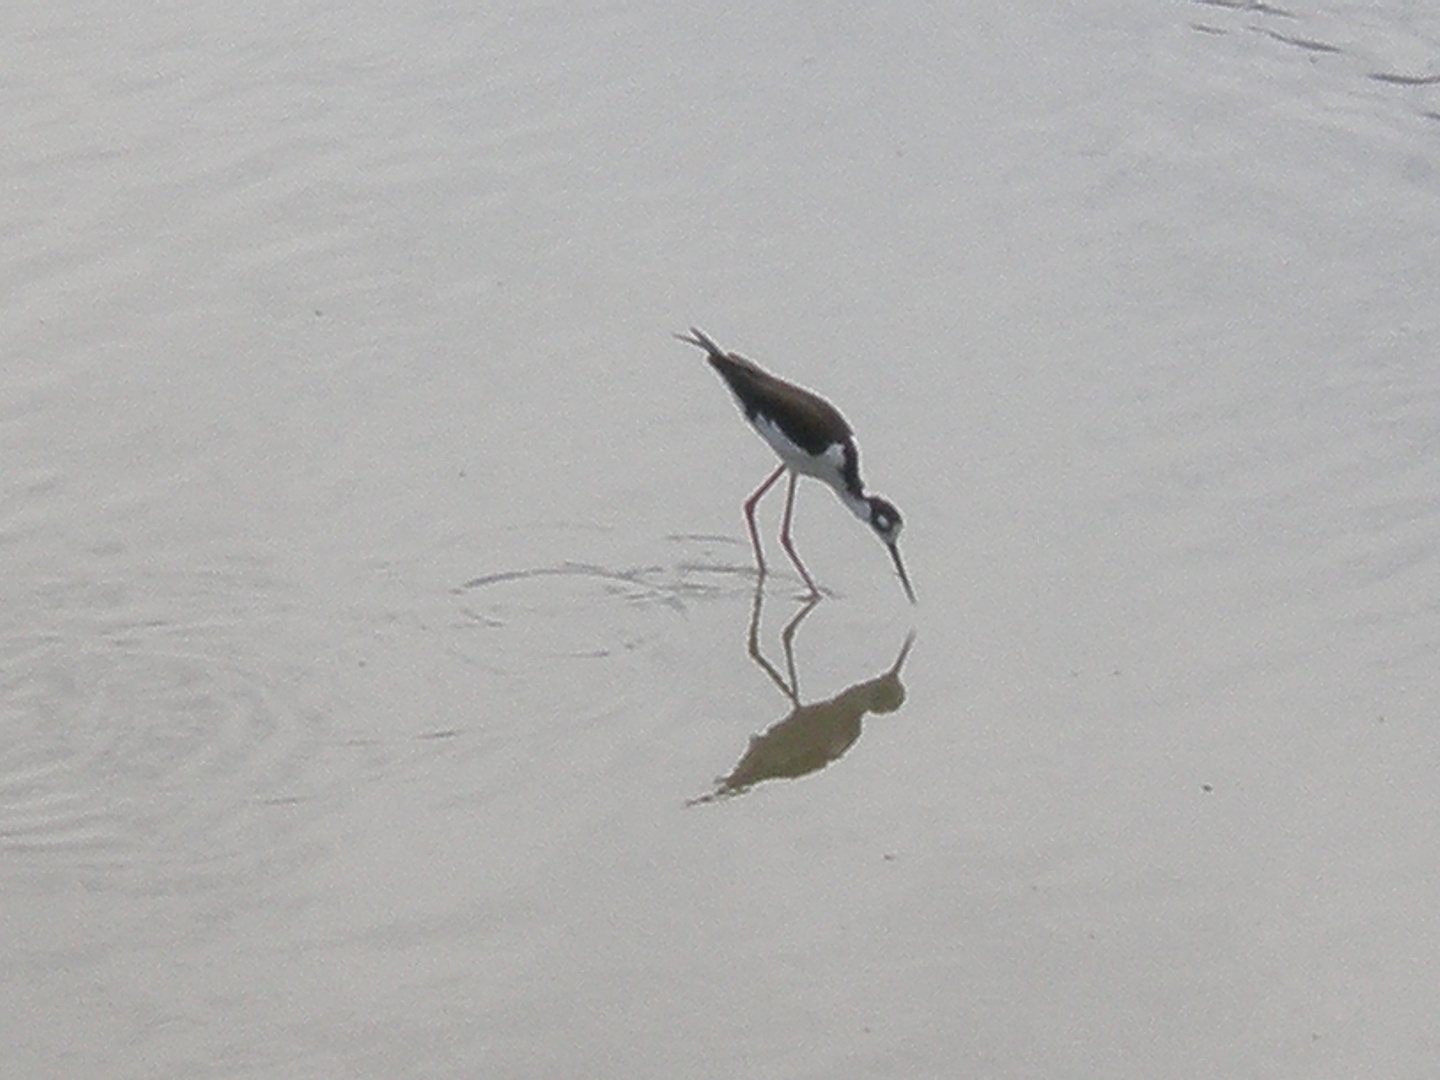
(813, 735)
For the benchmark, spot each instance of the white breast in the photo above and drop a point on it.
(826, 467)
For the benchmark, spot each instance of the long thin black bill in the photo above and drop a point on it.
(895, 554)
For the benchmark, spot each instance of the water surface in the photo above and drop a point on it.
(384, 690)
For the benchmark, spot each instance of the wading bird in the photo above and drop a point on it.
(812, 439)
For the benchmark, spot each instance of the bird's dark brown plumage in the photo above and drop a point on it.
(811, 422)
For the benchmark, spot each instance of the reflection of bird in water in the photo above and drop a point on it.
(814, 735)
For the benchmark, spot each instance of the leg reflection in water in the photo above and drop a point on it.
(814, 735)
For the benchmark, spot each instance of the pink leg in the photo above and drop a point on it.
(750, 516)
(785, 536)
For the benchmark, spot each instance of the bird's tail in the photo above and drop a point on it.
(702, 341)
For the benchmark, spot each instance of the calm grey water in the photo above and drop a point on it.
(384, 690)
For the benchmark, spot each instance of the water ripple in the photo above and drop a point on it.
(138, 750)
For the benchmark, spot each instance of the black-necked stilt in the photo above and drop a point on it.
(811, 437)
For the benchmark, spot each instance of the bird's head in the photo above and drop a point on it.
(887, 523)
(885, 519)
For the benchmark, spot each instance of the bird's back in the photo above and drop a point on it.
(811, 422)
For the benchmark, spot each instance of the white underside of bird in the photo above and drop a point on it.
(827, 468)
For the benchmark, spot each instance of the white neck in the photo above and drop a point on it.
(860, 507)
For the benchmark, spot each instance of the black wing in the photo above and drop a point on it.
(812, 423)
